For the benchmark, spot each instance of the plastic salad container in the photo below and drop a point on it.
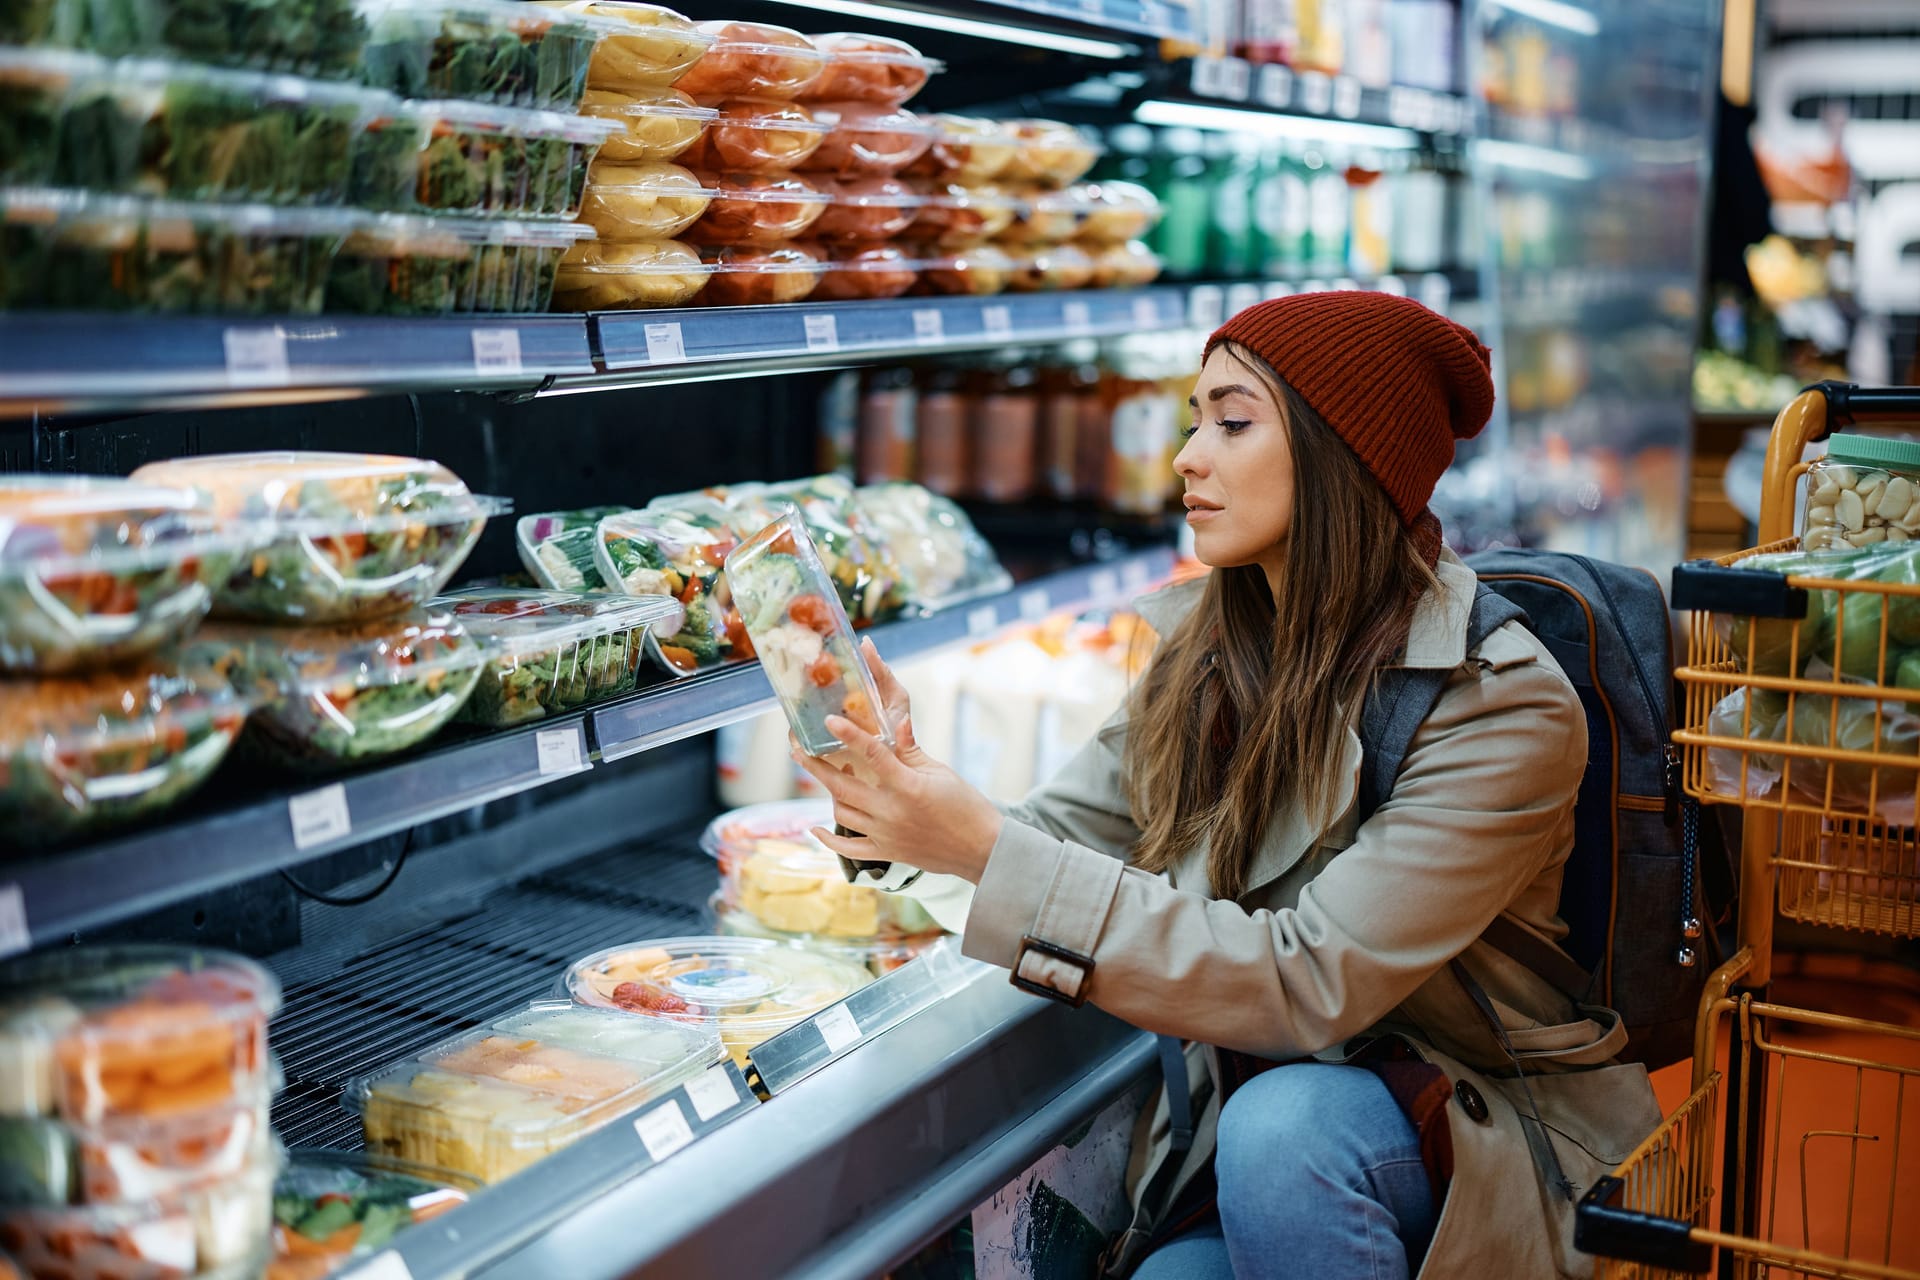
(217, 1232)
(345, 535)
(330, 1206)
(135, 1032)
(757, 209)
(83, 752)
(130, 1159)
(745, 277)
(489, 1103)
(870, 69)
(650, 45)
(516, 55)
(865, 271)
(942, 558)
(395, 265)
(1060, 266)
(642, 202)
(758, 135)
(656, 123)
(1125, 266)
(315, 38)
(507, 162)
(748, 989)
(615, 277)
(1045, 217)
(74, 251)
(980, 272)
(753, 60)
(866, 210)
(96, 570)
(957, 217)
(868, 139)
(557, 547)
(678, 553)
(1116, 212)
(333, 696)
(1050, 153)
(1865, 491)
(385, 174)
(791, 610)
(180, 131)
(863, 574)
(552, 651)
(967, 151)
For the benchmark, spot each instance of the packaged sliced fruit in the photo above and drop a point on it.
(1116, 212)
(395, 265)
(791, 609)
(967, 151)
(1060, 266)
(128, 1159)
(550, 652)
(489, 1103)
(642, 202)
(1050, 153)
(957, 217)
(656, 123)
(745, 277)
(74, 251)
(869, 139)
(516, 55)
(867, 581)
(870, 69)
(507, 162)
(758, 135)
(342, 535)
(334, 696)
(981, 271)
(753, 60)
(332, 1206)
(878, 956)
(319, 38)
(864, 271)
(942, 558)
(617, 277)
(757, 209)
(677, 553)
(140, 1032)
(1045, 217)
(557, 547)
(1125, 266)
(747, 989)
(866, 210)
(96, 569)
(80, 753)
(652, 45)
(665, 1055)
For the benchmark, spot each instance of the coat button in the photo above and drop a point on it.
(1471, 1102)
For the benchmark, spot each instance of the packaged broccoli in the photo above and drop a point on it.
(677, 552)
(557, 547)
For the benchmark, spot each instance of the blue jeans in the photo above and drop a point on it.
(1320, 1179)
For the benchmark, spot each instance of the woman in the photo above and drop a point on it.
(1201, 870)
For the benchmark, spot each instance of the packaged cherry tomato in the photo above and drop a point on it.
(753, 59)
(864, 271)
(758, 135)
(757, 209)
(870, 139)
(870, 69)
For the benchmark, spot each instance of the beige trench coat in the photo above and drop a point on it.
(1347, 934)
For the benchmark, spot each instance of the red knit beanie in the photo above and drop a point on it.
(1399, 382)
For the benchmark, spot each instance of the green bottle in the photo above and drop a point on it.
(1186, 192)
(1230, 235)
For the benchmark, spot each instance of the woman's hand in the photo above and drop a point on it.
(907, 806)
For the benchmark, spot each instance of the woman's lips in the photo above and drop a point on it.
(1199, 510)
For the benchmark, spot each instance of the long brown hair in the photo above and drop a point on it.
(1244, 709)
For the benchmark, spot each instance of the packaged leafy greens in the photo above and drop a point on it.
(513, 54)
(502, 161)
(411, 266)
(303, 37)
(557, 547)
(550, 652)
(677, 552)
(342, 535)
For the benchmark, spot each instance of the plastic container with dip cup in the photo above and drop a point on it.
(676, 553)
(863, 68)
(868, 139)
(745, 277)
(622, 277)
(748, 990)
(1864, 492)
(749, 209)
(758, 135)
(650, 45)
(753, 60)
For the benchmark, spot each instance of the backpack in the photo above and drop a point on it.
(1631, 897)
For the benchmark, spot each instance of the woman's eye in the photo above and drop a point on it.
(1234, 426)
(1189, 432)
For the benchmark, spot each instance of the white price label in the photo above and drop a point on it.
(712, 1092)
(1134, 574)
(1316, 93)
(383, 1266)
(1236, 79)
(1242, 296)
(1077, 315)
(257, 357)
(1206, 77)
(928, 329)
(496, 351)
(998, 321)
(663, 1130)
(1346, 97)
(1034, 605)
(1274, 87)
(837, 1028)
(559, 751)
(665, 345)
(1206, 306)
(1104, 585)
(982, 621)
(14, 937)
(1145, 314)
(320, 816)
(822, 333)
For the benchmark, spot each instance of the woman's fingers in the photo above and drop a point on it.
(887, 769)
(844, 787)
(859, 850)
(854, 819)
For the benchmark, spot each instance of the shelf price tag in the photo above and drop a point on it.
(998, 321)
(712, 1092)
(1316, 92)
(496, 351)
(665, 344)
(928, 328)
(822, 333)
(1145, 314)
(14, 936)
(320, 816)
(257, 357)
(559, 751)
(982, 620)
(1103, 586)
(1034, 606)
(664, 1130)
(1346, 97)
(1274, 87)
(1077, 315)
(838, 1028)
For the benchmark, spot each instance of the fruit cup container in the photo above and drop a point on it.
(863, 68)
(627, 203)
(753, 60)
(657, 124)
(629, 277)
(757, 210)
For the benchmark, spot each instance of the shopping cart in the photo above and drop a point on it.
(1799, 1155)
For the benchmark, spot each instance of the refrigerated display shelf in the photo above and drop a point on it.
(1160, 19)
(225, 838)
(1340, 99)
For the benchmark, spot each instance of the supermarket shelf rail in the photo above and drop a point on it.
(118, 878)
(1272, 87)
(1160, 19)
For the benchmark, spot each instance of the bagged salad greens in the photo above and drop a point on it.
(330, 1206)
(550, 652)
(85, 752)
(404, 266)
(557, 547)
(304, 37)
(95, 570)
(677, 552)
(941, 557)
(517, 55)
(342, 535)
(334, 696)
(505, 161)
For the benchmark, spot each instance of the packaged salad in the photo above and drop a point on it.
(488, 1103)
(867, 581)
(865, 271)
(394, 265)
(333, 1206)
(557, 547)
(657, 124)
(95, 570)
(753, 60)
(942, 558)
(385, 172)
(980, 272)
(758, 135)
(85, 752)
(642, 202)
(507, 162)
(869, 69)
(310, 38)
(791, 611)
(343, 535)
(218, 1232)
(335, 696)
(756, 209)
(550, 652)
(966, 151)
(516, 55)
(616, 277)
(868, 140)
(651, 45)
(677, 552)
(867, 210)
(746, 989)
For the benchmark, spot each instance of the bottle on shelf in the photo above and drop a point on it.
(1329, 211)
(889, 405)
(1231, 241)
(1186, 193)
(941, 431)
(1006, 430)
(1066, 386)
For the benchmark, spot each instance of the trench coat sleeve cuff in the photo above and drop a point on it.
(1053, 891)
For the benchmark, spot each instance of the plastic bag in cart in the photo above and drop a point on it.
(1817, 721)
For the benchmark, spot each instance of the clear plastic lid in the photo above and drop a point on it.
(303, 662)
(758, 135)
(867, 209)
(656, 123)
(981, 271)
(111, 221)
(398, 235)
(1045, 216)
(134, 1158)
(958, 217)
(1116, 212)
(670, 1051)
(482, 50)
(857, 270)
(868, 68)
(513, 621)
(750, 59)
(678, 553)
(642, 202)
(105, 713)
(1125, 266)
(557, 547)
(760, 276)
(520, 122)
(1051, 153)
(610, 277)
(216, 1232)
(880, 953)
(869, 138)
(967, 150)
(778, 826)
(1060, 266)
(941, 556)
(56, 524)
(757, 209)
(312, 494)
(652, 45)
(321, 1193)
(148, 1030)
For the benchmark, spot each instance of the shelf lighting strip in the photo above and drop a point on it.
(1030, 37)
(1194, 115)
